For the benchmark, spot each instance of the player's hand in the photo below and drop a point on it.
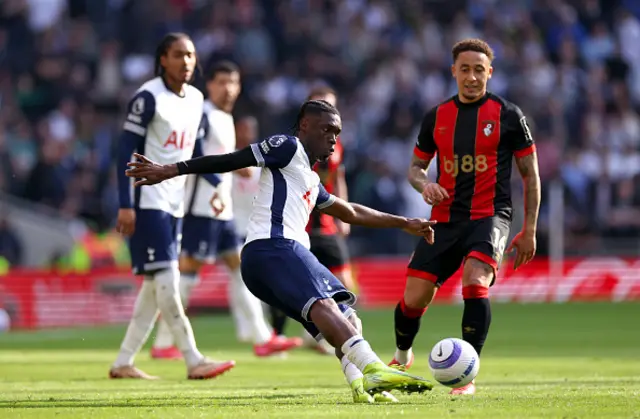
(217, 205)
(149, 171)
(245, 172)
(344, 229)
(434, 194)
(525, 246)
(126, 223)
(421, 227)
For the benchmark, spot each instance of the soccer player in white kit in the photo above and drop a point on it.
(163, 121)
(277, 265)
(209, 230)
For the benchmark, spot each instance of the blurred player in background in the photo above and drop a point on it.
(163, 121)
(277, 265)
(242, 193)
(475, 135)
(327, 234)
(209, 230)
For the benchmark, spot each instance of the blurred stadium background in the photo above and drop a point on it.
(67, 67)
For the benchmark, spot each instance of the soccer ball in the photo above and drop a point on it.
(454, 363)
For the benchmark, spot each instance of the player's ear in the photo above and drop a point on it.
(490, 72)
(453, 70)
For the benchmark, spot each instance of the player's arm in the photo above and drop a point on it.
(140, 112)
(203, 132)
(423, 153)
(356, 214)
(274, 152)
(524, 150)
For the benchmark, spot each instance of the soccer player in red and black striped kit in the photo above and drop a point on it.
(326, 233)
(474, 136)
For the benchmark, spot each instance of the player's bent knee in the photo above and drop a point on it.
(418, 292)
(232, 259)
(477, 273)
(189, 264)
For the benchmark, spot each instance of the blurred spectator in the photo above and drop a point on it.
(10, 246)
(68, 66)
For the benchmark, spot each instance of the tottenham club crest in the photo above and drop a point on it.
(488, 127)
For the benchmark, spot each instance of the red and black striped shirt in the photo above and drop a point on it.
(475, 144)
(320, 223)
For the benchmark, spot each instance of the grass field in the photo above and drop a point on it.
(565, 361)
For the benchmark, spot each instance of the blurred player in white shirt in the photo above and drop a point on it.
(163, 120)
(209, 229)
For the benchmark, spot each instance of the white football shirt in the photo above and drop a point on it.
(243, 193)
(169, 124)
(288, 191)
(219, 138)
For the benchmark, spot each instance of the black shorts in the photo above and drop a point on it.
(331, 250)
(483, 239)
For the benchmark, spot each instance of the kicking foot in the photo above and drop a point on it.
(276, 345)
(379, 377)
(468, 389)
(166, 353)
(209, 369)
(129, 371)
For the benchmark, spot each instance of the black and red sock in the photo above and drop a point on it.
(278, 320)
(407, 324)
(476, 317)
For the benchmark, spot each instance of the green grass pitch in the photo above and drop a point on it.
(563, 361)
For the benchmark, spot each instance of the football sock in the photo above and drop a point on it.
(164, 337)
(168, 298)
(244, 330)
(251, 308)
(476, 317)
(407, 325)
(351, 372)
(144, 316)
(359, 352)
(278, 320)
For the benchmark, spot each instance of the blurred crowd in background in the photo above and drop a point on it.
(68, 67)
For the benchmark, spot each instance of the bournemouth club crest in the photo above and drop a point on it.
(488, 127)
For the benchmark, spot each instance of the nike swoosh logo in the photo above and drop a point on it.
(440, 351)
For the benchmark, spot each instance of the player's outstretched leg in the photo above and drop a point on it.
(163, 346)
(168, 299)
(339, 332)
(476, 317)
(144, 316)
(418, 295)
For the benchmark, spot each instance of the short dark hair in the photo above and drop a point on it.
(313, 107)
(474, 44)
(322, 90)
(224, 66)
(164, 46)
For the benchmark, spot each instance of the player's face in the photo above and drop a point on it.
(180, 60)
(472, 70)
(329, 97)
(224, 89)
(323, 133)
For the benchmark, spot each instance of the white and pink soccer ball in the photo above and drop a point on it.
(454, 363)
